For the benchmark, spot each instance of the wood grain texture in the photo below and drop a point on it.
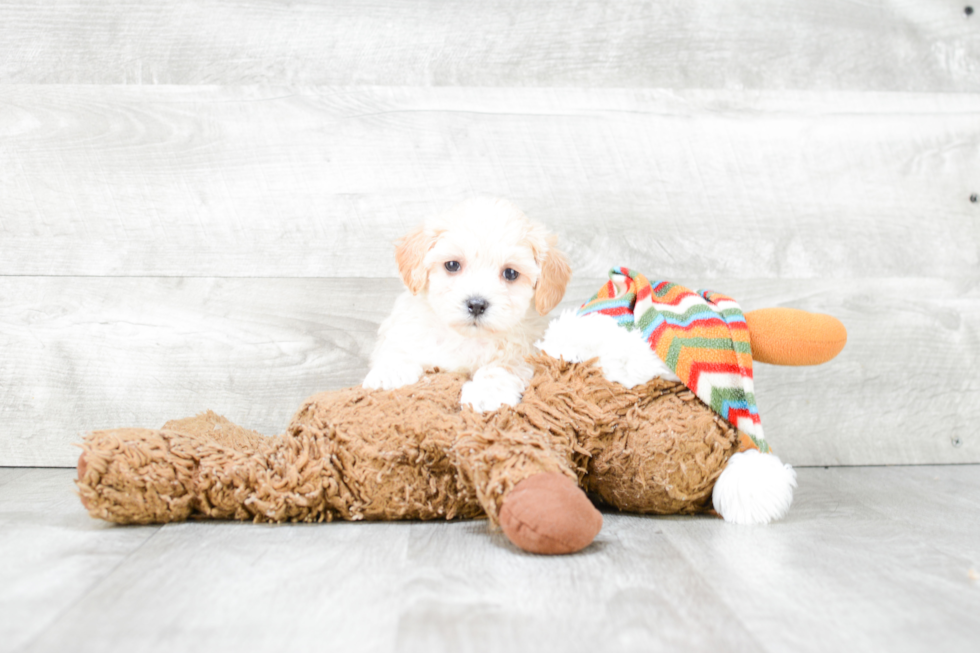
(10, 474)
(873, 568)
(392, 586)
(893, 45)
(921, 488)
(283, 182)
(871, 558)
(89, 353)
(96, 353)
(901, 392)
(51, 552)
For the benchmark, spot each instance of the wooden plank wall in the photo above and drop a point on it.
(198, 199)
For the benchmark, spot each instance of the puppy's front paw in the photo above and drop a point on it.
(492, 388)
(389, 377)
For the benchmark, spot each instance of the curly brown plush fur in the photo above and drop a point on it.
(413, 453)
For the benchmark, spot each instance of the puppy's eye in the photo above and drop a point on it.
(452, 266)
(511, 274)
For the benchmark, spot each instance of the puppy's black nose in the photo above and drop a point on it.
(477, 306)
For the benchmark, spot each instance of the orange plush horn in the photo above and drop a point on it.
(789, 336)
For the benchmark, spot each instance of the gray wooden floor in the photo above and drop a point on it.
(870, 559)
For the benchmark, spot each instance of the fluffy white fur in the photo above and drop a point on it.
(434, 323)
(754, 488)
(623, 355)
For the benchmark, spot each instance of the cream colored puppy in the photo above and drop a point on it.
(480, 278)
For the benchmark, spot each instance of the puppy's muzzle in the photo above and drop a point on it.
(477, 306)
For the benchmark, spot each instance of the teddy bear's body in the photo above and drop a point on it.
(414, 453)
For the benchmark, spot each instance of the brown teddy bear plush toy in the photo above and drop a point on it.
(647, 446)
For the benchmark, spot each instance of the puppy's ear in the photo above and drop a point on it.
(410, 254)
(555, 273)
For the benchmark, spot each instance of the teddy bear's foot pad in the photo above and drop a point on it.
(549, 514)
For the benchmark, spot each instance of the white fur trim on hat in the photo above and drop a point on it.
(623, 354)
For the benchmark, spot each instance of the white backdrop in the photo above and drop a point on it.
(198, 199)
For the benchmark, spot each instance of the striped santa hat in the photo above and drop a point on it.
(702, 336)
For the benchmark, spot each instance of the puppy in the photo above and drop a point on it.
(480, 278)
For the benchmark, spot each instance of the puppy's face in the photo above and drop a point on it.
(482, 266)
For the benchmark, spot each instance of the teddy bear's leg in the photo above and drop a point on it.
(526, 481)
(662, 455)
(131, 476)
(549, 513)
(140, 476)
(198, 466)
(351, 454)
